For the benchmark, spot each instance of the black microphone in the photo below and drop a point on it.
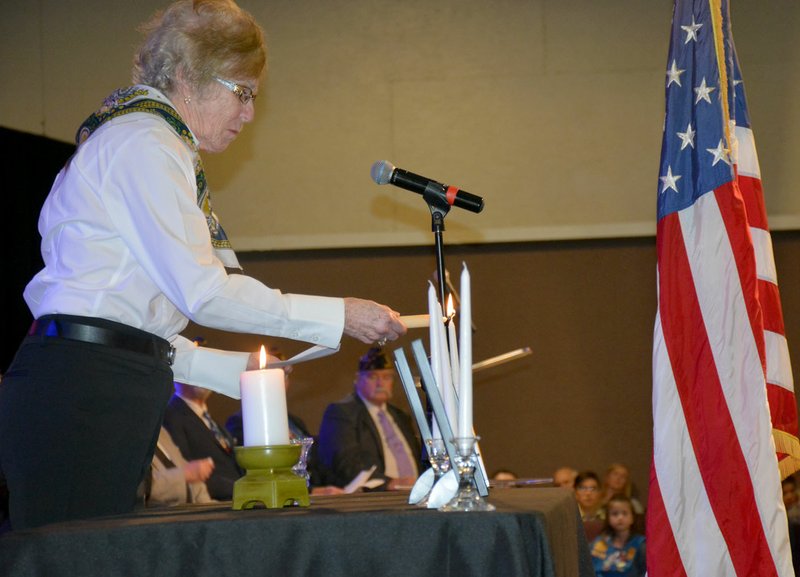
(384, 172)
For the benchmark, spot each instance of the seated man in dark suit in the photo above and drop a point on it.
(363, 430)
(198, 436)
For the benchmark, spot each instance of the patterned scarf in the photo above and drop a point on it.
(144, 99)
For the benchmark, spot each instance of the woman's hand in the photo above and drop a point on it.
(370, 322)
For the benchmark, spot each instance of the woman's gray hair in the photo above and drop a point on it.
(198, 40)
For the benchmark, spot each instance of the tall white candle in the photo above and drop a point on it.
(264, 415)
(433, 306)
(452, 341)
(465, 361)
(446, 378)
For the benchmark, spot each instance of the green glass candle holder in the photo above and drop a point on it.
(269, 479)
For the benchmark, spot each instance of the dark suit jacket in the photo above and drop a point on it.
(349, 442)
(196, 441)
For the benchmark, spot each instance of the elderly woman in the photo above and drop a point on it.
(132, 250)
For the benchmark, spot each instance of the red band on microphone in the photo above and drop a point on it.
(451, 193)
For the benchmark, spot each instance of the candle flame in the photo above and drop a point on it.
(451, 310)
(262, 358)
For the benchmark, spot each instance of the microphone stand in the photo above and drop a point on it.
(439, 209)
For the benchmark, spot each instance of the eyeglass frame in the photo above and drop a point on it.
(244, 93)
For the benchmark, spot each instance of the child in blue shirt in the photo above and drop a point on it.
(617, 551)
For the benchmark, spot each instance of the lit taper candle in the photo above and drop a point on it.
(433, 307)
(446, 379)
(452, 341)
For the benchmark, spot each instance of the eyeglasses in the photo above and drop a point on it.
(243, 92)
(588, 489)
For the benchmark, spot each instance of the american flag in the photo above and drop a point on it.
(715, 506)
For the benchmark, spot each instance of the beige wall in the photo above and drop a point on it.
(551, 110)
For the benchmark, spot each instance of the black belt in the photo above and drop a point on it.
(143, 343)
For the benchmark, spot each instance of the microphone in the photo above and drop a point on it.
(384, 172)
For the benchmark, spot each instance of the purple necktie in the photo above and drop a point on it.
(220, 435)
(405, 468)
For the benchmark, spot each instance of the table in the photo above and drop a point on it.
(533, 532)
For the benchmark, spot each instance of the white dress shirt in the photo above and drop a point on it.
(123, 239)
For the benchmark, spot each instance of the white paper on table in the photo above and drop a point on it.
(363, 480)
(444, 490)
(315, 352)
(422, 487)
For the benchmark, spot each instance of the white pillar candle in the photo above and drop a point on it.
(264, 415)
(465, 361)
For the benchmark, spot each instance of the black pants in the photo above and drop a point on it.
(78, 426)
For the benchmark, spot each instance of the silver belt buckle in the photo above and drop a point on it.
(171, 355)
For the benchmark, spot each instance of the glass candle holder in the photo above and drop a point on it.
(467, 498)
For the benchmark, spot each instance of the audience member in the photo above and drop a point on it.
(364, 429)
(790, 502)
(618, 551)
(565, 477)
(503, 478)
(503, 475)
(173, 479)
(587, 493)
(617, 480)
(198, 437)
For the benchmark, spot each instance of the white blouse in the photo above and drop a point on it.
(123, 239)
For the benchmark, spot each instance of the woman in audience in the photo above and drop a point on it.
(617, 480)
(587, 493)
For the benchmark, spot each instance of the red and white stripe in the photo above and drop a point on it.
(712, 441)
(780, 383)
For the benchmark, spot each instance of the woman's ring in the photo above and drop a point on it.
(382, 342)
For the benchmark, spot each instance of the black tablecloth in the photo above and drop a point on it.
(534, 532)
